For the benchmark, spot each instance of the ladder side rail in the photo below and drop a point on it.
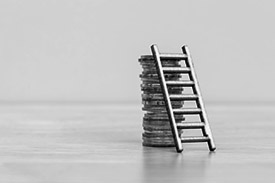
(166, 97)
(196, 90)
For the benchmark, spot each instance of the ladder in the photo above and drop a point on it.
(195, 96)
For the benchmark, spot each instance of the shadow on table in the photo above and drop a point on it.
(165, 165)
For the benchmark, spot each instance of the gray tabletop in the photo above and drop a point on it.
(102, 143)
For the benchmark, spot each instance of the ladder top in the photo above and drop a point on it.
(170, 56)
(180, 56)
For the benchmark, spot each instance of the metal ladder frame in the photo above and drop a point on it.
(195, 86)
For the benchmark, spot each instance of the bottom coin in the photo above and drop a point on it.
(150, 144)
(158, 142)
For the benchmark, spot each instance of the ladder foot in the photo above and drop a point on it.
(212, 149)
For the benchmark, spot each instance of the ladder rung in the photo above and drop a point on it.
(180, 83)
(187, 111)
(176, 69)
(177, 56)
(190, 125)
(194, 139)
(184, 97)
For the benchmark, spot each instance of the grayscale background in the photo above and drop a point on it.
(76, 50)
(70, 98)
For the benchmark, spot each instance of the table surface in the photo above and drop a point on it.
(102, 143)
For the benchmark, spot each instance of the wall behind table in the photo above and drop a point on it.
(77, 50)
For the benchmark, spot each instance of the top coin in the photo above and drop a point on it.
(151, 57)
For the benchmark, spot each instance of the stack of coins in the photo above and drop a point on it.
(156, 125)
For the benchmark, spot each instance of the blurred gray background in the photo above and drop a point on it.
(87, 50)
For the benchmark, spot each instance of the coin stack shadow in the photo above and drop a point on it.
(157, 131)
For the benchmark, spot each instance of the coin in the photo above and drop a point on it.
(159, 118)
(156, 125)
(158, 142)
(160, 103)
(158, 133)
(154, 76)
